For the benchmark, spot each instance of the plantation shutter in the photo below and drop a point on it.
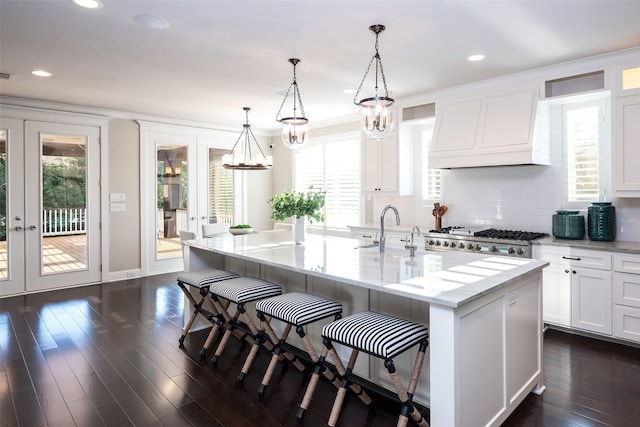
(332, 164)
(220, 189)
(582, 131)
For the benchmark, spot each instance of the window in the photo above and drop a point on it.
(431, 189)
(332, 164)
(583, 132)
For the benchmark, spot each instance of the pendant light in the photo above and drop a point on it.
(246, 153)
(377, 112)
(295, 129)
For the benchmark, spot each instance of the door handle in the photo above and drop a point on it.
(18, 228)
(32, 227)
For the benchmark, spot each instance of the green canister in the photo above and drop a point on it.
(601, 220)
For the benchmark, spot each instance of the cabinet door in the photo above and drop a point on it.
(388, 152)
(625, 147)
(380, 164)
(556, 294)
(591, 300)
(370, 165)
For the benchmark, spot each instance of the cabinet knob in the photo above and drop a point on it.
(566, 271)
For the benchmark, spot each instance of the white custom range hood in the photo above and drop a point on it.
(495, 129)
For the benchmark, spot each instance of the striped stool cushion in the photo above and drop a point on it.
(202, 278)
(299, 308)
(244, 289)
(377, 334)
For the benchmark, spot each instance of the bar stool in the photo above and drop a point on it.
(296, 310)
(201, 280)
(384, 337)
(238, 291)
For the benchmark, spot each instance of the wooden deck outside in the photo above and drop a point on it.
(68, 253)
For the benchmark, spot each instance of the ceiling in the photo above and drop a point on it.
(219, 56)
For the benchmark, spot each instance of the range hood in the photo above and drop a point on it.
(496, 129)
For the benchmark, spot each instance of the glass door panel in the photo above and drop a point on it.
(172, 202)
(64, 203)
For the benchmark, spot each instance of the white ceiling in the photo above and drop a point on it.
(218, 56)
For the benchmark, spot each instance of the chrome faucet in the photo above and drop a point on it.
(411, 246)
(382, 236)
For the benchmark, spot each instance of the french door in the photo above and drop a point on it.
(50, 204)
(184, 186)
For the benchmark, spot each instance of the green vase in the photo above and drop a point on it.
(601, 219)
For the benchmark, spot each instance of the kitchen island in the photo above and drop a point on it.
(483, 312)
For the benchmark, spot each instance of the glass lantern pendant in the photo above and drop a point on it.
(295, 128)
(377, 112)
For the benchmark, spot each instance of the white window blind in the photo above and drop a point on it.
(332, 164)
(220, 189)
(582, 132)
(431, 178)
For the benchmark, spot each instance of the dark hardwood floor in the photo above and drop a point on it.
(108, 355)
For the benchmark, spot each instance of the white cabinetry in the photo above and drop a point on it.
(387, 165)
(577, 288)
(556, 285)
(626, 130)
(626, 297)
(380, 163)
(491, 130)
(625, 147)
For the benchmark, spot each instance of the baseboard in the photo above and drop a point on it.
(123, 275)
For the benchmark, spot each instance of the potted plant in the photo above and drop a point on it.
(298, 204)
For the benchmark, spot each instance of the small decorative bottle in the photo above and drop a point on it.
(601, 218)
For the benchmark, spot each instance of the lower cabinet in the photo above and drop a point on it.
(591, 300)
(626, 297)
(577, 289)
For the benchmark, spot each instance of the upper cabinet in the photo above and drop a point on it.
(386, 165)
(626, 131)
(491, 130)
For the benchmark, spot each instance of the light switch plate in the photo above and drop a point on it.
(118, 207)
(117, 197)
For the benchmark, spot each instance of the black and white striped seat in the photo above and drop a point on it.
(382, 336)
(239, 291)
(296, 309)
(299, 308)
(376, 334)
(201, 280)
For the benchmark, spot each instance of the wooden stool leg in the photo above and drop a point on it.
(277, 351)
(251, 356)
(342, 391)
(359, 391)
(406, 396)
(311, 387)
(225, 338)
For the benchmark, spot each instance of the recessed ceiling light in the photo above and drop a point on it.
(474, 58)
(89, 4)
(41, 73)
(151, 21)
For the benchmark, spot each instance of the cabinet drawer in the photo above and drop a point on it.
(626, 323)
(626, 263)
(626, 289)
(574, 257)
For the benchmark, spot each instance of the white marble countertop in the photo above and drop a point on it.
(451, 279)
(615, 246)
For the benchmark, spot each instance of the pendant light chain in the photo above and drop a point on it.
(296, 94)
(375, 57)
